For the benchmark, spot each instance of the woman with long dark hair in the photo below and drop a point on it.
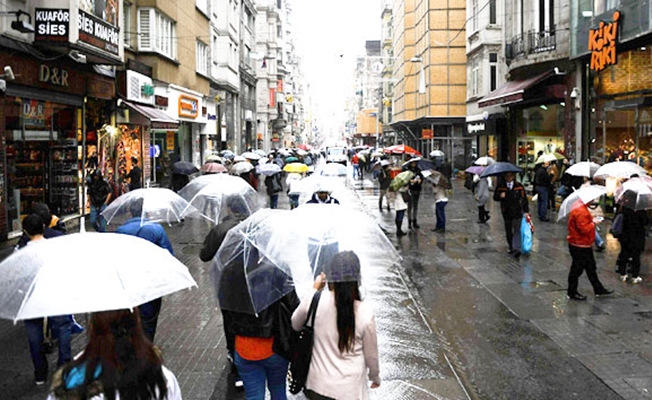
(345, 350)
(118, 363)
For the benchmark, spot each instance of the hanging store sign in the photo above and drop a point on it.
(51, 25)
(427, 134)
(98, 33)
(603, 44)
(188, 106)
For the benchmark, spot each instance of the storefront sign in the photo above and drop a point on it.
(34, 113)
(147, 90)
(98, 33)
(53, 75)
(161, 101)
(475, 127)
(272, 98)
(169, 141)
(51, 25)
(603, 44)
(188, 106)
(140, 87)
(427, 134)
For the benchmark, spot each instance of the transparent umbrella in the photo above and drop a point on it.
(324, 231)
(151, 204)
(241, 167)
(583, 168)
(484, 161)
(579, 198)
(620, 169)
(43, 279)
(636, 193)
(308, 186)
(268, 169)
(331, 169)
(213, 168)
(212, 195)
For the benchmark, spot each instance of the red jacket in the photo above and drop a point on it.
(581, 229)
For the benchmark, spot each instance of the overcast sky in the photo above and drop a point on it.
(329, 35)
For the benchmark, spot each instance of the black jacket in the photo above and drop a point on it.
(634, 226)
(215, 237)
(384, 179)
(542, 178)
(416, 187)
(515, 202)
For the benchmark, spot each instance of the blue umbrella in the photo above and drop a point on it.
(184, 168)
(499, 168)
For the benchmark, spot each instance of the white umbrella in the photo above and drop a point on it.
(579, 198)
(238, 159)
(436, 153)
(260, 152)
(155, 205)
(211, 193)
(241, 168)
(43, 279)
(583, 168)
(484, 161)
(249, 155)
(636, 193)
(331, 169)
(268, 169)
(620, 169)
(548, 157)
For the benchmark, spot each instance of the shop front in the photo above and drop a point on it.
(489, 132)
(41, 126)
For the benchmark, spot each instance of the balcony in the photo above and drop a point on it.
(533, 42)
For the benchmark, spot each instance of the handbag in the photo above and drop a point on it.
(300, 363)
(526, 235)
(617, 226)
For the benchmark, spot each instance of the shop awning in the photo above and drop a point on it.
(512, 92)
(159, 119)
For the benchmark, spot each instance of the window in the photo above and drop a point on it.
(126, 24)
(202, 58)
(474, 16)
(475, 77)
(492, 11)
(156, 32)
(493, 71)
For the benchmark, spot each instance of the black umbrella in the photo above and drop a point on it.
(499, 168)
(184, 168)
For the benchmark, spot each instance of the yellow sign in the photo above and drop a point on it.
(169, 141)
(603, 44)
(188, 106)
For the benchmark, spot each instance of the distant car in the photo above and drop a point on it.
(336, 155)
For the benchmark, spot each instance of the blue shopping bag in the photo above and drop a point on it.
(526, 236)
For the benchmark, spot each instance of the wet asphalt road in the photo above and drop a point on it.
(458, 319)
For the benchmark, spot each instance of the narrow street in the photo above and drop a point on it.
(458, 319)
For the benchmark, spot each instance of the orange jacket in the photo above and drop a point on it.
(581, 229)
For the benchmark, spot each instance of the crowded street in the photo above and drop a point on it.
(458, 318)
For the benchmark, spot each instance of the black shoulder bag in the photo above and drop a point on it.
(300, 363)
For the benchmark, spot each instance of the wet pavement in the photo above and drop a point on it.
(458, 319)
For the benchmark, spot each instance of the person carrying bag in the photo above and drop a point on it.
(300, 362)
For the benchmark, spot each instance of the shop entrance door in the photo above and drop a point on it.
(626, 135)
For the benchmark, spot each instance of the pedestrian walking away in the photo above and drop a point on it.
(632, 243)
(401, 200)
(118, 362)
(581, 235)
(274, 187)
(139, 225)
(345, 349)
(542, 184)
(61, 325)
(441, 200)
(135, 176)
(513, 203)
(99, 195)
(481, 197)
(415, 192)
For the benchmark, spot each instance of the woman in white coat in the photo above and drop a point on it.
(345, 349)
(481, 197)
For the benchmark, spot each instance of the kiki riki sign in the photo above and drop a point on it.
(603, 44)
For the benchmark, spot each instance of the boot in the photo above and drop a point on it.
(414, 224)
(399, 232)
(409, 224)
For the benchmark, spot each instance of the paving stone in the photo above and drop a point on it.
(578, 337)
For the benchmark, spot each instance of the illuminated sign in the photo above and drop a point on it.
(188, 106)
(51, 24)
(98, 33)
(603, 44)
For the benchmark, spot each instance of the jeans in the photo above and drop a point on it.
(598, 239)
(582, 261)
(97, 221)
(542, 202)
(383, 194)
(294, 201)
(149, 317)
(627, 251)
(357, 173)
(440, 212)
(273, 201)
(413, 205)
(399, 219)
(61, 327)
(271, 372)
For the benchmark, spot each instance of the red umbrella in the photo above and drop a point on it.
(305, 147)
(402, 149)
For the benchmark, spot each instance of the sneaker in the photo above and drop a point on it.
(238, 382)
(40, 383)
(638, 279)
(623, 278)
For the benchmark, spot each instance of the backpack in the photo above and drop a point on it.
(468, 182)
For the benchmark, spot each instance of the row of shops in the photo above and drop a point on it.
(61, 120)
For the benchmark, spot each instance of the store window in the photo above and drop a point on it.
(42, 157)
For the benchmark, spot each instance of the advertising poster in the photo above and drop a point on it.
(98, 24)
